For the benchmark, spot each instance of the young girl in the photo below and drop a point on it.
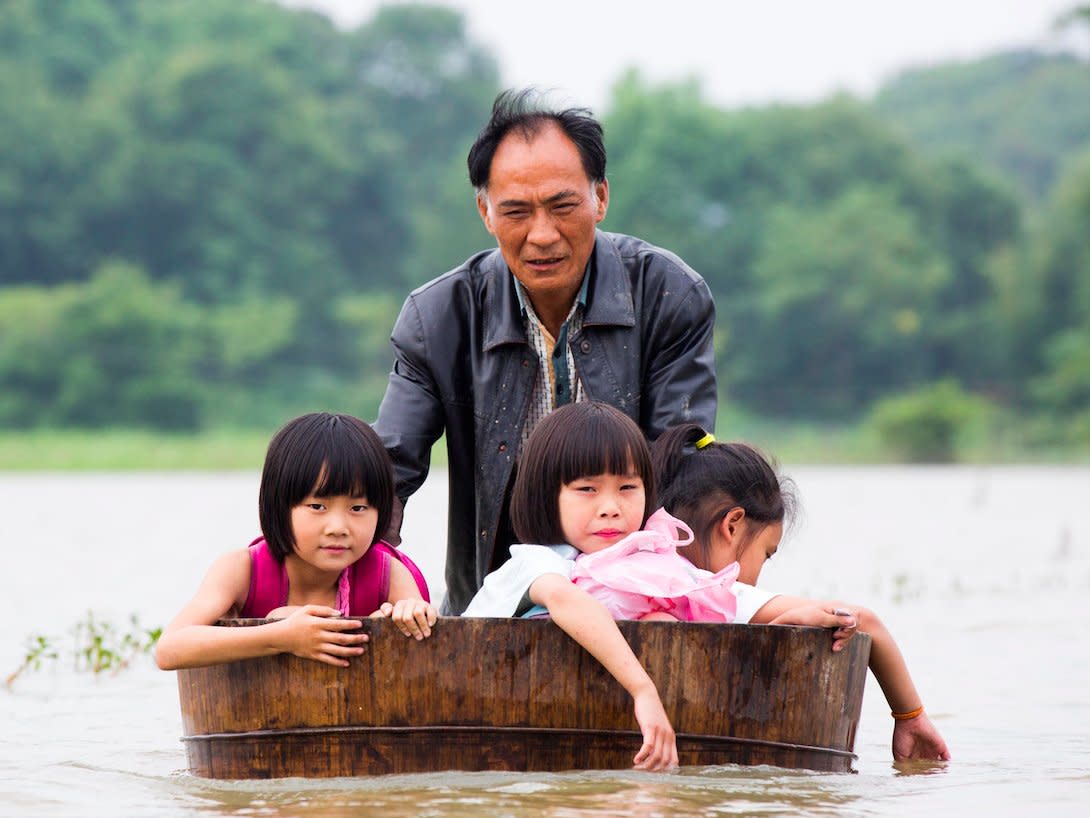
(584, 482)
(737, 506)
(326, 493)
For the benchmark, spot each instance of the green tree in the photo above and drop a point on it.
(51, 150)
(972, 218)
(762, 203)
(66, 42)
(115, 351)
(429, 87)
(1059, 292)
(1022, 112)
(840, 309)
(928, 424)
(206, 141)
(1063, 262)
(226, 178)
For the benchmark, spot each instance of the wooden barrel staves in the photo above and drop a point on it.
(514, 694)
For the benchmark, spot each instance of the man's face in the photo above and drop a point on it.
(542, 209)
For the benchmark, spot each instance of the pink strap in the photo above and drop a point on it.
(344, 593)
(370, 580)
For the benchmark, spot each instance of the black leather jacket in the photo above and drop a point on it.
(463, 366)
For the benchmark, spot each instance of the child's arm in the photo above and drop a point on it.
(588, 622)
(914, 738)
(192, 639)
(412, 615)
(794, 610)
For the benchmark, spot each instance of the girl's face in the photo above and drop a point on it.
(757, 551)
(597, 511)
(331, 533)
(740, 539)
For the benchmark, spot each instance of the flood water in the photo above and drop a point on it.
(981, 574)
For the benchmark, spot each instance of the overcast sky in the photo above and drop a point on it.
(744, 51)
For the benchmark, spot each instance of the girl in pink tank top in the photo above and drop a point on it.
(326, 495)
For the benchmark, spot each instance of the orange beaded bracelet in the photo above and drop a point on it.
(911, 714)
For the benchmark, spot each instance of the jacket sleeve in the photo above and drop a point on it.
(679, 362)
(410, 417)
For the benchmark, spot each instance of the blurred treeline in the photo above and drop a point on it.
(210, 213)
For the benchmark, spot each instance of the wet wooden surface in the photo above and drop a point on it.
(510, 694)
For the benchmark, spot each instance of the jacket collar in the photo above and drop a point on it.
(609, 302)
(609, 297)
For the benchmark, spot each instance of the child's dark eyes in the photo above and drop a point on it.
(589, 488)
(316, 506)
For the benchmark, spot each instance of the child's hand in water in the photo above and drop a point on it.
(918, 739)
(659, 750)
(413, 617)
(317, 632)
(835, 615)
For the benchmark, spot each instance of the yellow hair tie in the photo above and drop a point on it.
(708, 439)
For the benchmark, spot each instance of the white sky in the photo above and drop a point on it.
(743, 51)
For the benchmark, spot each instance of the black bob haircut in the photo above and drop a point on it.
(576, 440)
(326, 455)
(525, 112)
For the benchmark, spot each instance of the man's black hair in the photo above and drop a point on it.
(525, 112)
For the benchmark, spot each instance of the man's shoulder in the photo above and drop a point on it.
(638, 255)
(471, 276)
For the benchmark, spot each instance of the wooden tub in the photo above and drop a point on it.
(513, 694)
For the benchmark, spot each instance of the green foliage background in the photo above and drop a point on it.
(211, 212)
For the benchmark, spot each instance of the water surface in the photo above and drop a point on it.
(982, 575)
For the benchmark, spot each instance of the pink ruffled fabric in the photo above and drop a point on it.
(643, 574)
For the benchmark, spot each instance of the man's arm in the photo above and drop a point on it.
(410, 417)
(679, 361)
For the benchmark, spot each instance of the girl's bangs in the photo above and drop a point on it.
(338, 478)
(600, 446)
(343, 472)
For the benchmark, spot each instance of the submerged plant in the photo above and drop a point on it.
(96, 645)
(39, 648)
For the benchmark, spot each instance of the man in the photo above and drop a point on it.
(560, 312)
